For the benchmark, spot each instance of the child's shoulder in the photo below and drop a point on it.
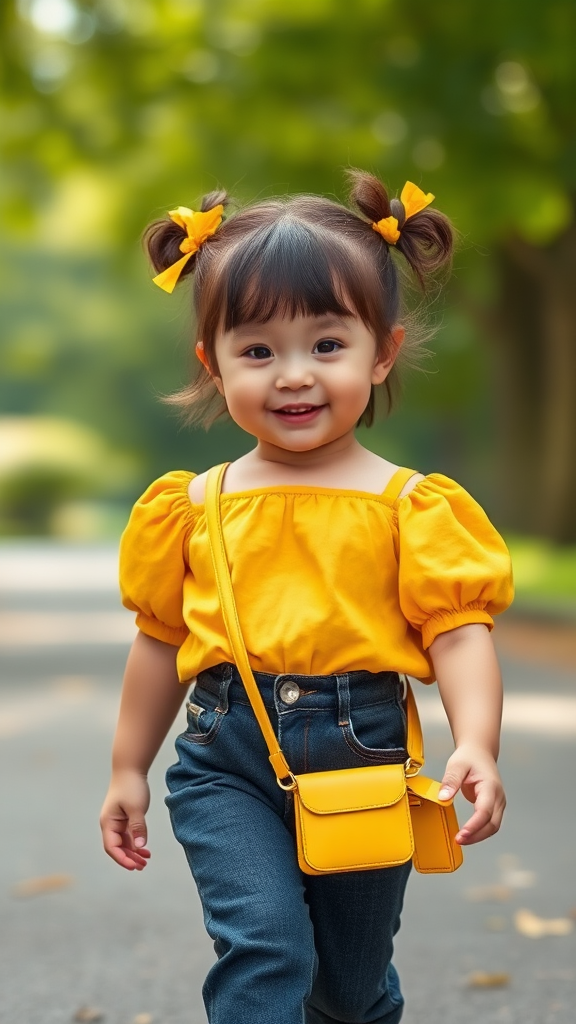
(411, 483)
(197, 488)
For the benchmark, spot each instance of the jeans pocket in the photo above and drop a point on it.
(203, 715)
(377, 732)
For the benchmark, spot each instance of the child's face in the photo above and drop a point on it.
(300, 383)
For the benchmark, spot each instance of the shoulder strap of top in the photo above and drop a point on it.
(396, 483)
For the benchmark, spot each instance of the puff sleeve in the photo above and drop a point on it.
(454, 567)
(154, 560)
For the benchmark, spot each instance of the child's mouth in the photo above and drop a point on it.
(298, 413)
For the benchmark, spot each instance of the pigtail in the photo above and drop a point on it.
(427, 242)
(426, 239)
(368, 194)
(162, 238)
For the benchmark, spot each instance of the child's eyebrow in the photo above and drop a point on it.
(317, 324)
(332, 321)
(245, 330)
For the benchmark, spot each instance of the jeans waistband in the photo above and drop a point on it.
(289, 690)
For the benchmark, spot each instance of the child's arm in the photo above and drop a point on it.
(471, 690)
(151, 696)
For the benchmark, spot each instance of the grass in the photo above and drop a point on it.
(544, 575)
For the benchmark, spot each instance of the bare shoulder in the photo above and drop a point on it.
(384, 471)
(411, 484)
(197, 488)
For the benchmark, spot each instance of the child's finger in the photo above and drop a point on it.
(481, 821)
(137, 831)
(486, 819)
(468, 838)
(135, 859)
(452, 780)
(118, 846)
(129, 859)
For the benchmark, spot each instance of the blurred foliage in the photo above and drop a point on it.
(115, 110)
(544, 575)
(46, 462)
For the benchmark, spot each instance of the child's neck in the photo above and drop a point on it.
(343, 464)
(326, 456)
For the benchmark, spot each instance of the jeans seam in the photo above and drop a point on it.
(369, 753)
(205, 739)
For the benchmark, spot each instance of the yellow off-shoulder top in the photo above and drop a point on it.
(325, 580)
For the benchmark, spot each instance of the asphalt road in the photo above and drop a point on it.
(134, 944)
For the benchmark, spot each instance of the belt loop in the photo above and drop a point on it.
(225, 680)
(402, 678)
(343, 689)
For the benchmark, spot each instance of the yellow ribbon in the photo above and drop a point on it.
(198, 227)
(413, 200)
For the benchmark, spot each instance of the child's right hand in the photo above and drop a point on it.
(122, 820)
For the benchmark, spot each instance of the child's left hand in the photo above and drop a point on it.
(473, 770)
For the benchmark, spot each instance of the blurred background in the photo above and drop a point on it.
(114, 111)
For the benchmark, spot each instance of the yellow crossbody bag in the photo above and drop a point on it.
(353, 819)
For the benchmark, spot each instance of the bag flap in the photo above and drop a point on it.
(426, 789)
(352, 789)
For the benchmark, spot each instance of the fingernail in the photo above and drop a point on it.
(444, 794)
(140, 841)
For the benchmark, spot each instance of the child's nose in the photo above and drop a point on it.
(293, 374)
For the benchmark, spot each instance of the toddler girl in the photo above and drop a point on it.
(348, 571)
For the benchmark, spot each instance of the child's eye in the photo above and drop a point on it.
(328, 345)
(258, 352)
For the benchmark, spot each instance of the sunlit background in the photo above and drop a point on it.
(111, 113)
(114, 111)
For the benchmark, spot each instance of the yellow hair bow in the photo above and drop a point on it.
(198, 227)
(413, 200)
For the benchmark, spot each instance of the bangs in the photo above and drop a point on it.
(291, 269)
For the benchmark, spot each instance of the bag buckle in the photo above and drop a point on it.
(290, 786)
(412, 767)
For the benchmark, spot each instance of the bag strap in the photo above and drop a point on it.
(230, 616)
(240, 654)
(396, 483)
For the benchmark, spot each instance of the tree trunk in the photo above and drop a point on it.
(535, 359)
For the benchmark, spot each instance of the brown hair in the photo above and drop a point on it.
(304, 255)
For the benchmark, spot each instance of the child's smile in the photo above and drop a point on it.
(297, 414)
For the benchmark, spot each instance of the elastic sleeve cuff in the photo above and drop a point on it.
(175, 635)
(444, 621)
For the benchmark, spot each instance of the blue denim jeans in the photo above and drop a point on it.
(291, 948)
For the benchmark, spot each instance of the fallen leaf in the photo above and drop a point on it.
(535, 927)
(88, 1015)
(143, 1018)
(519, 879)
(488, 893)
(487, 979)
(513, 875)
(496, 923)
(38, 886)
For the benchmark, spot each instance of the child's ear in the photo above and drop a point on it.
(385, 361)
(202, 355)
(203, 359)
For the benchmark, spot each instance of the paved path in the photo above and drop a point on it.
(134, 944)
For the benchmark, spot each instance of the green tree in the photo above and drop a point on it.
(114, 107)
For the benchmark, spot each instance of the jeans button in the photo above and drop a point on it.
(289, 692)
